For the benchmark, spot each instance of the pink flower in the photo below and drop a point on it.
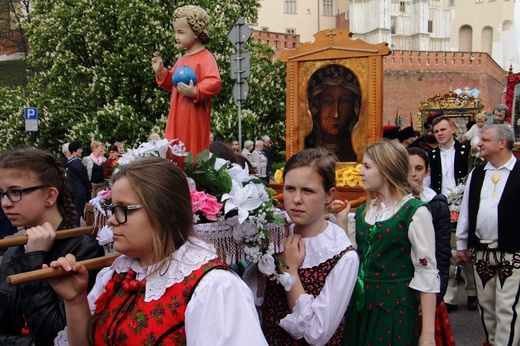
(197, 197)
(105, 194)
(210, 207)
(205, 203)
(454, 216)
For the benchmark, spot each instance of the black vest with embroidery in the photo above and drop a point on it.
(508, 234)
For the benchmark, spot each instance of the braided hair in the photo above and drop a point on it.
(48, 170)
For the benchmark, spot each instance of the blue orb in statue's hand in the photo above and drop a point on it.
(184, 74)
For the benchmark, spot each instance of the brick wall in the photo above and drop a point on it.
(8, 46)
(413, 76)
(342, 22)
(278, 41)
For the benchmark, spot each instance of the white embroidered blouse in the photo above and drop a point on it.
(316, 319)
(221, 310)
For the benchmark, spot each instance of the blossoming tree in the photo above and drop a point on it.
(90, 74)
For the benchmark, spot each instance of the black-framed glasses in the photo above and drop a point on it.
(120, 211)
(15, 195)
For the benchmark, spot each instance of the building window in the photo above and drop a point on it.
(430, 26)
(479, 1)
(264, 28)
(402, 7)
(328, 7)
(451, 2)
(289, 6)
(290, 31)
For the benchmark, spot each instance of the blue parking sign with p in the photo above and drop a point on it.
(31, 118)
(31, 113)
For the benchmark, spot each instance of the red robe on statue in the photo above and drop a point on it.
(189, 118)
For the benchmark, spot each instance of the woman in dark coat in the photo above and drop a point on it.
(420, 168)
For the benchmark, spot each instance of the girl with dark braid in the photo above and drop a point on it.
(35, 196)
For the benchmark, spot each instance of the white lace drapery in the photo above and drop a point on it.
(229, 251)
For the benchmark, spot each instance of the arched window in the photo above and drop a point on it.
(487, 40)
(466, 38)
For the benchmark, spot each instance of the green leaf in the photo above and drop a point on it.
(188, 163)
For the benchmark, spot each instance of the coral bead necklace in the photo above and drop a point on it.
(134, 288)
(130, 284)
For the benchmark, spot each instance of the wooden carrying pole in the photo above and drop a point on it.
(47, 273)
(63, 234)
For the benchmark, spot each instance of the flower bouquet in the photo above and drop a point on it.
(455, 200)
(231, 209)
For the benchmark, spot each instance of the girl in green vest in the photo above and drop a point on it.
(396, 244)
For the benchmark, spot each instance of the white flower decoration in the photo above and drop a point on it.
(244, 231)
(105, 235)
(266, 264)
(244, 199)
(239, 174)
(286, 280)
(154, 148)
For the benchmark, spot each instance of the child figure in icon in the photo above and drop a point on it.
(190, 103)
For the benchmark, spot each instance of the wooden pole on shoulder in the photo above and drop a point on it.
(47, 273)
(62, 234)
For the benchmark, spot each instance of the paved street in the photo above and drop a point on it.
(467, 326)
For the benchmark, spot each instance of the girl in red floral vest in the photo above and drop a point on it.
(162, 289)
(317, 254)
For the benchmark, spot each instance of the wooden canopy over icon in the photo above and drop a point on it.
(335, 53)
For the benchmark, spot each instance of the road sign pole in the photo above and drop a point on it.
(239, 103)
(239, 35)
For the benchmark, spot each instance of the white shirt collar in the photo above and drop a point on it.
(189, 257)
(427, 194)
(509, 165)
(324, 246)
(452, 147)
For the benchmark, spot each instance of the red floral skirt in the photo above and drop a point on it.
(443, 331)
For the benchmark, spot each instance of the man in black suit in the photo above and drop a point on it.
(267, 152)
(79, 183)
(449, 164)
(449, 161)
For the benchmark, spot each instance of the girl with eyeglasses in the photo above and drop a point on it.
(34, 195)
(163, 289)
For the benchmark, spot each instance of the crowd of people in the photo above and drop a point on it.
(256, 155)
(381, 274)
(384, 274)
(479, 254)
